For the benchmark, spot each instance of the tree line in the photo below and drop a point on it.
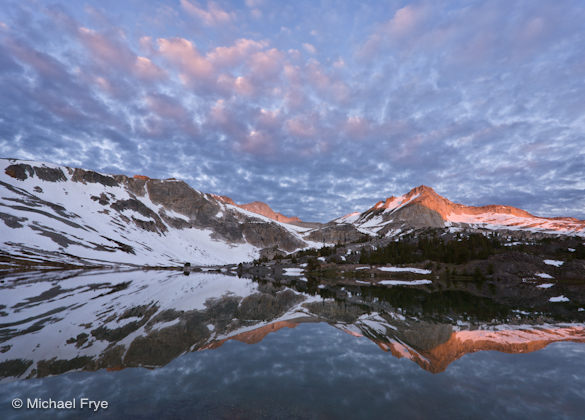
(457, 251)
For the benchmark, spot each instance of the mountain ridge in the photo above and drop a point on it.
(261, 208)
(422, 206)
(80, 216)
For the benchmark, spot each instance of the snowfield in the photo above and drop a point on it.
(405, 269)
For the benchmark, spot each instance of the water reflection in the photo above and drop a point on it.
(52, 323)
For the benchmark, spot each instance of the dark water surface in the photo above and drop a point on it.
(162, 345)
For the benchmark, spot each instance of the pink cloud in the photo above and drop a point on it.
(254, 3)
(403, 24)
(146, 45)
(42, 63)
(405, 20)
(105, 85)
(147, 70)
(301, 126)
(213, 16)
(182, 53)
(168, 116)
(256, 13)
(339, 63)
(316, 76)
(330, 86)
(310, 48)
(105, 50)
(266, 64)
(258, 143)
(221, 117)
(356, 127)
(218, 114)
(295, 98)
(268, 119)
(237, 85)
(236, 54)
(112, 54)
(166, 107)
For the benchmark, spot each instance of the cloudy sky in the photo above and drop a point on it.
(317, 107)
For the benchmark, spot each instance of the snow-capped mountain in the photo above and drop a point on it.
(61, 214)
(422, 207)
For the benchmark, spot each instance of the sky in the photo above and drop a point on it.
(319, 108)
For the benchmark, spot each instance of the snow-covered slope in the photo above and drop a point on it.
(62, 214)
(423, 207)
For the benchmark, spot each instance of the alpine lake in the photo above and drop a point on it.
(215, 345)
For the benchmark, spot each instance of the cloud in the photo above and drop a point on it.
(480, 101)
(212, 16)
(254, 3)
(301, 126)
(236, 54)
(405, 20)
(166, 106)
(185, 56)
(147, 70)
(266, 64)
(240, 85)
(339, 63)
(256, 14)
(258, 143)
(105, 50)
(42, 63)
(309, 48)
(356, 127)
(404, 23)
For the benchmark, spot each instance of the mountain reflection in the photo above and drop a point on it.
(52, 323)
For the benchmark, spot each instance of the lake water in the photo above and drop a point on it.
(159, 344)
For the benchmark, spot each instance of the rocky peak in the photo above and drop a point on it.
(264, 209)
(427, 197)
(224, 199)
(422, 190)
(421, 194)
(258, 207)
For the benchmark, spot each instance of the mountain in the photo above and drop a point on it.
(260, 208)
(57, 215)
(65, 215)
(422, 207)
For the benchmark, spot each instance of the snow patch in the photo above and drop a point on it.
(404, 282)
(559, 299)
(407, 269)
(293, 271)
(556, 263)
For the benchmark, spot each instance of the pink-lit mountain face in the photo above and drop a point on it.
(423, 207)
(260, 208)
